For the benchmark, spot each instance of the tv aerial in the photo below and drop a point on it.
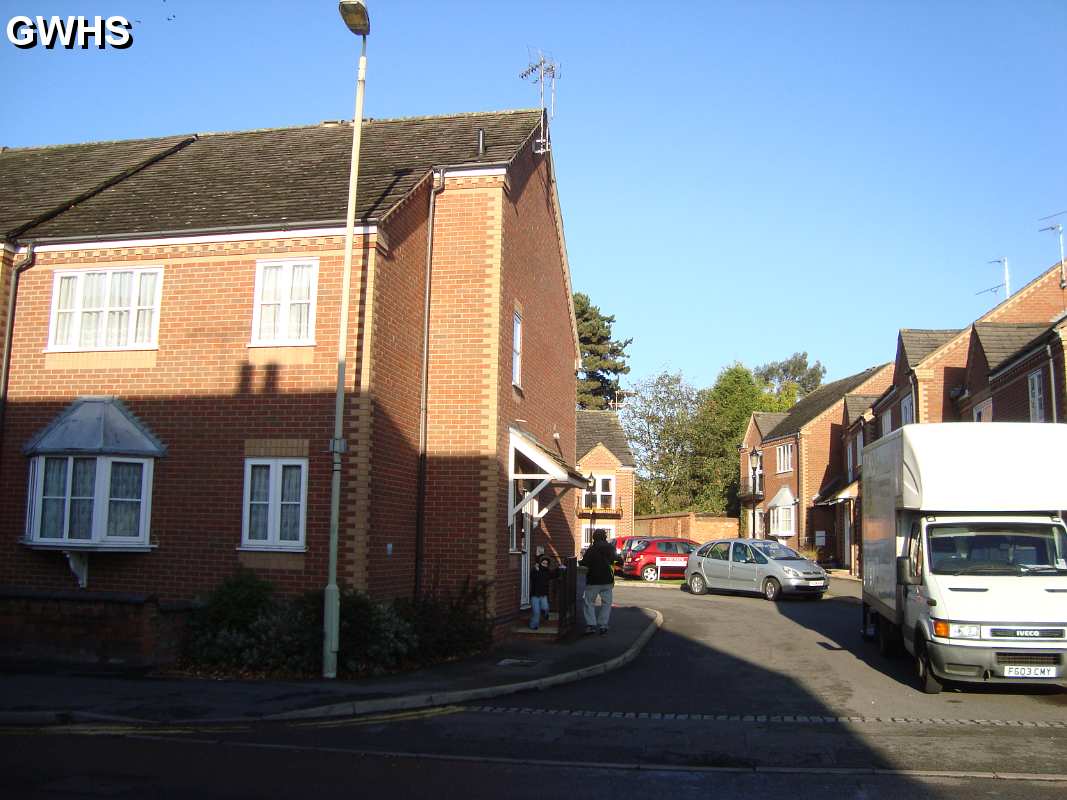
(543, 70)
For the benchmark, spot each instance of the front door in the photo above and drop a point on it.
(528, 522)
(846, 537)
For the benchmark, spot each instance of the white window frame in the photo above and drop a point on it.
(859, 447)
(848, 459)
(983, 412)
(284, 302)
(101, 503)
(907, 409)
(783, 458)
(886, 420)
(598, 477)
(273, 541)
(1036, 389)
(588, 528)
(75, 346)
(777, 526)
(516, 350)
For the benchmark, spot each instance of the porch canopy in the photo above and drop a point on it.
(538, 477)
(96, 426)
(835, 493)
(783, 498)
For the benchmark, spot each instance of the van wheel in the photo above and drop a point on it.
(697, 584)
(650, 573)
(928, 682)
(772, 589)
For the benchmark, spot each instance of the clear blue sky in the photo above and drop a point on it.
(739, 180)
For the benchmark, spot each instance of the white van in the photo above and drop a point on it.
(965, 550)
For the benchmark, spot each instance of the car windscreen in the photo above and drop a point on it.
(777, 550)
(997, 549)
(638, 546)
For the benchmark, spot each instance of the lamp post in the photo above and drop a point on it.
(354, 14)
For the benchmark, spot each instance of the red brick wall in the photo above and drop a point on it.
(534, 282)
(599, 460)
(1011, 389)
(397, 379)
(202, 396)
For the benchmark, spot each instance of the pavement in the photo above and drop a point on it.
(520, 664)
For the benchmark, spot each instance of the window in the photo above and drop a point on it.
(587, 532)
(720, 552)
(848, 459)
(603, 495)
(111, 309)
(284, 310)
(784, 457)
(887, 422)
(94, 500)
(516, 350)
(275, 503)
(983, 412)
(907, 409)
(781, 521)
(859, 447)
(1037, 396)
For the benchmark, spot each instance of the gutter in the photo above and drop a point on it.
(9, 326)
(420, 481)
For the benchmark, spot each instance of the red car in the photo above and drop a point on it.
(652, 559)
(622, 545)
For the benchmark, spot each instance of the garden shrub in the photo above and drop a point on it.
(450, 626)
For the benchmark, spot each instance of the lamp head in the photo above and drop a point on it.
(354, 13)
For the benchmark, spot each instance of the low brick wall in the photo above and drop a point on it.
(102, 629)
(691, 525)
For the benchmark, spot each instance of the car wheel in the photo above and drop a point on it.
(928, 682)
(772, 589)
(650, 573)
(697, 584)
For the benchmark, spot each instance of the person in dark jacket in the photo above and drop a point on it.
(540, 576)
(600, 578)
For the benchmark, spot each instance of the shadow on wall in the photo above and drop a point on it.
(198, 498)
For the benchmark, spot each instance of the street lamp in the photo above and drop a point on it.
(753, 464)
(354, 14)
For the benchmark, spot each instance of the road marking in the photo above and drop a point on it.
(773, 719)
(627, 766)
(75, 729)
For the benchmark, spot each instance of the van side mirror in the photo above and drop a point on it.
(904, 576)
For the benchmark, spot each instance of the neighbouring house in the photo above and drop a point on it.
(790, 462)
(931, 365)
(1015, 373)
(604, 457)
(168, 386)
(844, 495)
(696, 525)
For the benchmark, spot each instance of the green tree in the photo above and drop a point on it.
(603, 358)
(791, 372)
(658, 418)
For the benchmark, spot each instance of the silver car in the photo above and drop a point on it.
(764, 566)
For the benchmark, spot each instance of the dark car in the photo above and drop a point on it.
(654, 558)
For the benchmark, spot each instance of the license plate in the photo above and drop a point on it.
(815, 583)
(1029, 672)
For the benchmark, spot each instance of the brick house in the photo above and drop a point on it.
(931, 366)
(605, 458)
(168, 395)
(843, 495)
(1015, 373)
(790, 462)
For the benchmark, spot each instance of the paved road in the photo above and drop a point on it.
(729, 688)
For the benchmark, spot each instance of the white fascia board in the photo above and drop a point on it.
(474, 172)
(246, 236)
(536, 455)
